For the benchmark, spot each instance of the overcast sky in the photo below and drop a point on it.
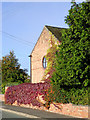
(22, 24)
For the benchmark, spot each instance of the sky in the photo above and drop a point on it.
(23, 22)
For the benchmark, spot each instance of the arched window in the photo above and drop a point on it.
(44, 62)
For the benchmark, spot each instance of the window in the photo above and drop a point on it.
(44, 62)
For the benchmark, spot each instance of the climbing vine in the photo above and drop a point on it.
(50, 57)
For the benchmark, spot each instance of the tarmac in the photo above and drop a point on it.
(34, 114)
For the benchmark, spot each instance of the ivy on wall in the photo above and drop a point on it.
(50, 57)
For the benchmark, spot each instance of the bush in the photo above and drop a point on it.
(71, 95)
(3, 88)
(27, 80)
(79, 96)
(88, 95)
(26, 93)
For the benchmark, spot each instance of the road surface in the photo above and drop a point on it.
(21, 113)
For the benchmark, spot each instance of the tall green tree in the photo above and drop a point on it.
(72, 63)
(11, 71)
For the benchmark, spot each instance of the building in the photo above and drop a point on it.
(38, 62)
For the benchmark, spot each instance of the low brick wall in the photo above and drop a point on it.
(70, 109)
(66, 109)
(1, 97)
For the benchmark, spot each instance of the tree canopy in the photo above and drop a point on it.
(71, 74)
(72, 64)
(11, 71)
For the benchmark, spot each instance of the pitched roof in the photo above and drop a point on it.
(56, 31)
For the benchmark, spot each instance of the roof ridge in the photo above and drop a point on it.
(56, 31)
(55, 27)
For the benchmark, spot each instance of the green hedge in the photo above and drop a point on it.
(74, 95)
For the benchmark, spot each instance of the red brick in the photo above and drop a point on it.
(73, 110)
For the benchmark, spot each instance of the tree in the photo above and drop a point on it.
(11, 71)
(72, 66)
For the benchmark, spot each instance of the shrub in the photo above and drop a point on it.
(78, 96)
(26, 93)
(3, 88)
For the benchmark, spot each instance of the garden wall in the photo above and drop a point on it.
(66, 109)
(1, 97)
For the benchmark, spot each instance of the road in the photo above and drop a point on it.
(11, 115)
(20, 113)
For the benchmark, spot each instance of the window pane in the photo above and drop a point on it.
(44, 62)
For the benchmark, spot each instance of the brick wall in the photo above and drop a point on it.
(70, 109)
(40, 50)
(1, 97)
(60, 108)
(77, 111)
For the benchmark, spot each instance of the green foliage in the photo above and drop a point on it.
(72, 66)
(3, 88)
(79, 96)
(50, 57)
(88, 95)
(11, 71)
(27, 80)
(56, 94)
(73, 95)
